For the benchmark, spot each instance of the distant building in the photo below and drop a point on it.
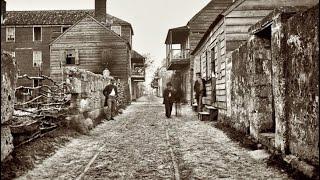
(44, 41)
(27, 34)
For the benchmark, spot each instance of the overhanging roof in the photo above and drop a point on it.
(178, 35)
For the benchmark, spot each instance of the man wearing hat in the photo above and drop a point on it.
(200, 90)
(111, 92)
(168, 99)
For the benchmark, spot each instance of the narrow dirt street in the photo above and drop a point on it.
(142, 144)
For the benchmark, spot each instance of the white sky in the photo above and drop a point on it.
(150, 19)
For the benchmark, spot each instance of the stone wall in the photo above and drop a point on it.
(302, 84)
(8, 84)
(87, 99)
(240, 90)
(275, 82)
(259, 79)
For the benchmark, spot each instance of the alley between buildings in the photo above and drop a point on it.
(142, 144)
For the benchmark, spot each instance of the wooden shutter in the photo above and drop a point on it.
(219, 57)
(62, 58)
(77, 60)
(209, 72)
(106, 56)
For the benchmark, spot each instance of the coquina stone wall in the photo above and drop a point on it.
(275, 83)
(302, 84)
(8, 84)
(87, 99)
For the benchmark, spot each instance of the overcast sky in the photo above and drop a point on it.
(150, 19)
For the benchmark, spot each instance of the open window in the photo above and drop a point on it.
(64, 28)
(37, 34)
(72, 57)
(10, 34)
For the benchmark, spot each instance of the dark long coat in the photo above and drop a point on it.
(107, 90)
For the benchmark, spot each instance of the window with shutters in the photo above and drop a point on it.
(116, 29)
(72, 57)
(37, 34)
(37, 58)
(10, 34)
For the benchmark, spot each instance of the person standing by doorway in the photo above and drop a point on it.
(200, 90)
(168, 99)
(111, 92)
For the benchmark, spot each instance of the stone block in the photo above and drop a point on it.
(6, 142)
(8, 84)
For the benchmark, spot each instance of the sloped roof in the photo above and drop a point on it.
(208, 14)
(54, 17)
(102, 25)
(136, 55)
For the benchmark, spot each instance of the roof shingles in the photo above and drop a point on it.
(54, 17)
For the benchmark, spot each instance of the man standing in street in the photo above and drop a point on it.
(111, 92)
(200, 90)
(168, 99)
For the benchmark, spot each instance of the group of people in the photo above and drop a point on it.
(171, 95)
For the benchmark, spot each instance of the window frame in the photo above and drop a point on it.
(34, 61)
(64, 27)
(117, 27)
(38, 83)
(14, 33)
(33, 28)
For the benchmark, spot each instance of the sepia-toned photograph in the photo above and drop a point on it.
(160, 89)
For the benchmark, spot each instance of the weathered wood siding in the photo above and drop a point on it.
(216, 41)
(97, 47)
(201, 21)
(126, 33)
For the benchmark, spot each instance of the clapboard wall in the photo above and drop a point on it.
(96, 48)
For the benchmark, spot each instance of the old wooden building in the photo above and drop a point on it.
(137, 74)
(181, 41)
(92, 46)
(229, 30)
(27, 34)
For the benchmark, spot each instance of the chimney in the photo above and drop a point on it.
(3, 10)
(100, 10)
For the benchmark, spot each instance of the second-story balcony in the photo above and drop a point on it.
(178, 53)
(178, 59)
